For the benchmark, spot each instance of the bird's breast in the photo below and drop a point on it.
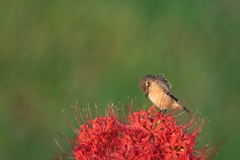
(161, 100)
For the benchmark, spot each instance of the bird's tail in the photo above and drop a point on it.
(182, 107)
(185, 109)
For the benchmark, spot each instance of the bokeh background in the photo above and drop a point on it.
(53, 53)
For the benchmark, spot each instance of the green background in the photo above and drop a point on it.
(53, 53)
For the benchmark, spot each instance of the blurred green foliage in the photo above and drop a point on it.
(53, 53)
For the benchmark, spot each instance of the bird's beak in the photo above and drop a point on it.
(146, 94)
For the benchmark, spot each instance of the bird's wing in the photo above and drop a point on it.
(171, 95)
(163, 82)
(165, 86)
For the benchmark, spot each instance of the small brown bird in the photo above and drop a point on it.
(158, 90)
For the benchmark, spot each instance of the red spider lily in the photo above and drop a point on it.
(144, 135)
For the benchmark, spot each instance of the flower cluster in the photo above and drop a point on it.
(143, 135)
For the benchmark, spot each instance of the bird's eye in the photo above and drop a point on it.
(148, 85)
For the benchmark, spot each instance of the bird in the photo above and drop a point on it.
(158, 90)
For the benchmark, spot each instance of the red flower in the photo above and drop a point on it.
(145, 135)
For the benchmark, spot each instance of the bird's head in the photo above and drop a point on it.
(145, 83)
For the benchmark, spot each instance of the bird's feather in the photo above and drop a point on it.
(165, 86)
